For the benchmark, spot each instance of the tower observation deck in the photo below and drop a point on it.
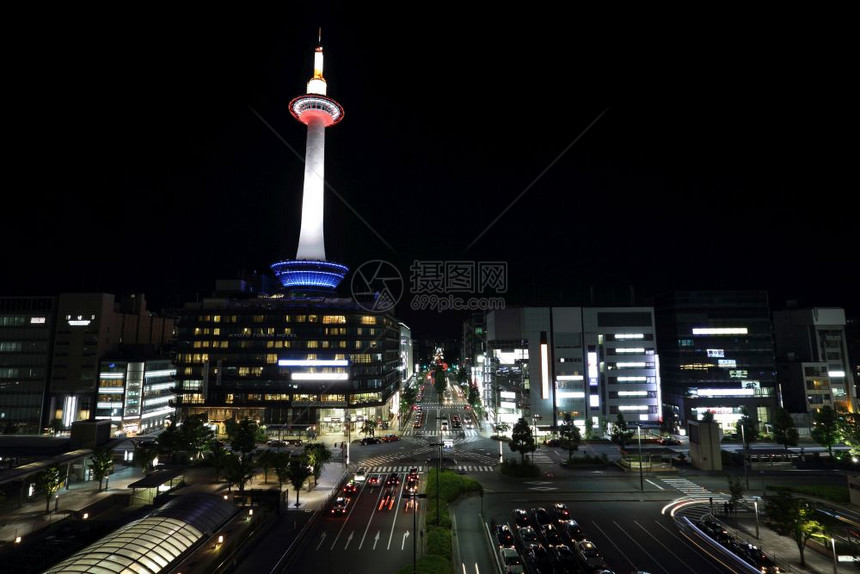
(310, 271)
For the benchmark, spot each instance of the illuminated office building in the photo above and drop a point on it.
(717, 355)
(590, 362)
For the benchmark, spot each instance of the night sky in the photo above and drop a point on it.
(596, 154)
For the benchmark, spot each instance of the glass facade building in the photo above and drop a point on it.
(717, 355)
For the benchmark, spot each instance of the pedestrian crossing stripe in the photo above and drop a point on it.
(462, 467)
(688, 487)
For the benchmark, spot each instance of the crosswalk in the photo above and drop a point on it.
(457, 433)
(459, 468)
(690, 488)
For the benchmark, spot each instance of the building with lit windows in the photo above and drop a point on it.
(135, 389)
(50, 349)
(407, 354)
(717, 355)
(590, 362)
(813, 360)
(308, 363)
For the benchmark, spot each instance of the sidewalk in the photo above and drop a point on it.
(783, 549)
(30, 522)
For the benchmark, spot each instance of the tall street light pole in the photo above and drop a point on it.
(641, 478)
(744, 451)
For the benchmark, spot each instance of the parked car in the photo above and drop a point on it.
(371, 440)
(510, 560)
(551, 535)
(668, 441)
(390, 438)
(560, 511)
(521, 517)
(589, 556)
(571, 530)
(504, 535)
(541, 516)
(528, 536)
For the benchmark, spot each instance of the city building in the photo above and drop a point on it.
(51, 347)
(814, 369)
(407, 355)
(136, 389)
(589, 362)
(716, 354)
(288, 351)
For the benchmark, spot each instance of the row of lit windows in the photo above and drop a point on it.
(272, 358)
(284, 344)
(632, 380)
(324, 319)
(282, 397)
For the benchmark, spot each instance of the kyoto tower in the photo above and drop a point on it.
(309, 272)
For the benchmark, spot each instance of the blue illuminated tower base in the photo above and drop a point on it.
(309, 276)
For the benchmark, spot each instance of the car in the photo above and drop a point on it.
(393, 479)
(467, 408)
(371, 440)
(560, 511)
(541, 516)
(589, 556)
(413, 471)
(510, 560)
(540, 558)
(527, 535)
(668, 441)
(551, 534)
(340, 506)
(276, 443)
(373, 481)
(411, 485)
(504, 535)
(521, 517)
(571, 530)
(293, 442)
(390, 438)
(387, 500)
(565, 556)
(350, 487)
(360, 474)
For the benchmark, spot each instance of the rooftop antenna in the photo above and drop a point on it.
(319, 37)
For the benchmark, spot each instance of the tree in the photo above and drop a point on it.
(825, 428)
(56, 425)
(589, 428)
(746, 429)
(522, 440)
(218, 456)
(462, 375)
(848, 425)
(790, 516)
(102, 459)
(474, 397)
(197, 435)
(440, 380)
(281, 464)
(299, 473)
(369, 427)
(242, 435)
(571, 434)
(317, 455)
(621, 435)
(170, 440)
(238, 470)
(784, 429)
(145, 456)
(49, 482)
(707, 417)
(736, 488)
(503, 427)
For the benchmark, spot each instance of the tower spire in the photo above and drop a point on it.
(310, 269)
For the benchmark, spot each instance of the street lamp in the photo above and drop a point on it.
(641, 479)
(744, 451)
(835, 559)
(414, 497)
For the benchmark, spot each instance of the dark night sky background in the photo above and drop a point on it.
(724, 158)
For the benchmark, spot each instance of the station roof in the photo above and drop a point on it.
(150, 545)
